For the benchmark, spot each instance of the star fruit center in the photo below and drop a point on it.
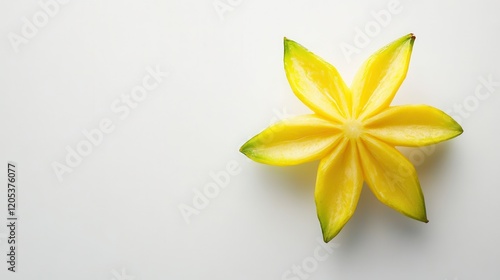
(353, 129)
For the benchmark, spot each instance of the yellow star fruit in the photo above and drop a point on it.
(353, 132)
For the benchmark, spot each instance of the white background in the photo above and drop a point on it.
(116, 215)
